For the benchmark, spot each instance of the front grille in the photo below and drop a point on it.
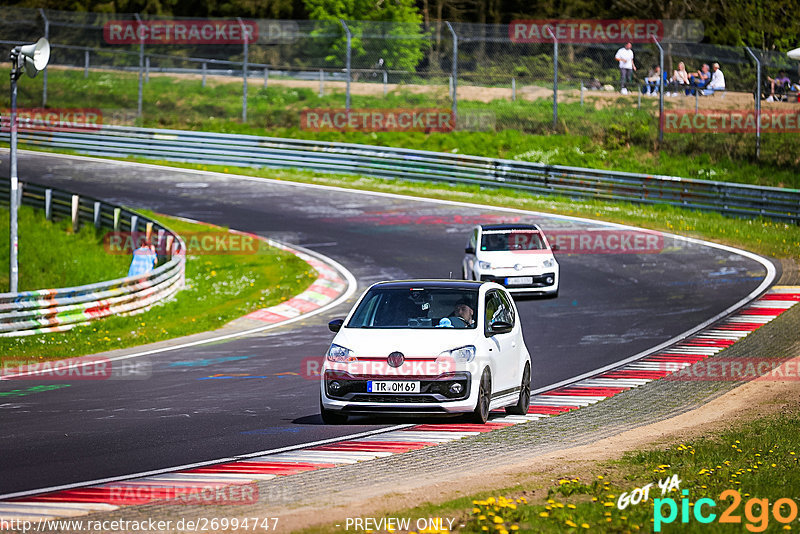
(394, 399)
(538, 280)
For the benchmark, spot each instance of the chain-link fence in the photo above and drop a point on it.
(484, 75)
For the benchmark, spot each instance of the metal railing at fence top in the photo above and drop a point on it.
(55, 310)
(731, 199)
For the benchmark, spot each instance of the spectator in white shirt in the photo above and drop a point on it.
(624, 57)
(717, 82)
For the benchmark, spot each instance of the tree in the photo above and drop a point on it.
(381, 29)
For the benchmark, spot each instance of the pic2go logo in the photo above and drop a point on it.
(756, 511)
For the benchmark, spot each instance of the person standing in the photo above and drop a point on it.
(624, 57)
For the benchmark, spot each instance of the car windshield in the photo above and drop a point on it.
(416, 308)
(506, 240)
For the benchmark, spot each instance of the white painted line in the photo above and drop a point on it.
(773, 304)
(744, 318)
(611, 382)
(439, 434)
(202, 478)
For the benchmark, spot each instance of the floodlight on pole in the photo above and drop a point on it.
(31, 58)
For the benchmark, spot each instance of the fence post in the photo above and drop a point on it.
(321, 82)
(76, 200)
(98, 222)
(147, 69)
(244, 68)
(757, 96)
(48, 204)
(141, 65)
(513, 89)
(660, 92)
(583, 90)
(555, 78)
(347, 64)
(204, 75)
(116, 219)
(455, 70)
(385, 82)
(44, 74)
(266, 77)
(86, 63)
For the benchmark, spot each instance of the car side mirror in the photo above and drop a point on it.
(469, 250)
(335, 325)
(554, 247)
(500, 327)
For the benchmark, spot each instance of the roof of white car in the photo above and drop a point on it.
(527, 227)
(428, 284)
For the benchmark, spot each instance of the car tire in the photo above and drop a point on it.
(481, 413)
(331, 417)
(524, 401)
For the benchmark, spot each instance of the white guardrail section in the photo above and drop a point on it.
(55, 310)
(732, 199)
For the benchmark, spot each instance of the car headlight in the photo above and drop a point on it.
(461, 354)
(549, 262)
(484, 265)
(337, 353)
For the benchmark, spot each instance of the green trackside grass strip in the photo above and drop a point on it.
(219, 288)
(616, 136)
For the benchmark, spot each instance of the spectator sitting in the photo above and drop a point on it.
(701, 78)
(717, 82)
(144, 259)
(652, 81)
(782, 83)
(680, 80)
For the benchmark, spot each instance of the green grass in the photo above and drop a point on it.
(51, 255)
(219, 288)
(617, 136)
(761, 236)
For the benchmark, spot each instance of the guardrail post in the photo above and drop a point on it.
(244, 68)
(48, 204)
(348, 53)
(148, 231)
(513, 89)
(97, 212)
(455, 70)
(160, 246)
(134, 222)
(141, 66)
(44, 74)
(321, 82)
(76, 200)
(116, 219)
(170, 244)
(203, 84)
(266, 77)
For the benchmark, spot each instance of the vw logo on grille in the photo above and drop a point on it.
(396, 359)
(518, 267)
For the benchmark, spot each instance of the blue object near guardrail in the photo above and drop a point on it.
(56, 310)
(732, 199)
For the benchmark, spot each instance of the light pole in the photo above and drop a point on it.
(32, 58)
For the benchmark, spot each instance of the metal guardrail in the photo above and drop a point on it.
(732, 199)
(55, 310)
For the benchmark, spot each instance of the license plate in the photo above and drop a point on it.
(519, 280)
(392, 386)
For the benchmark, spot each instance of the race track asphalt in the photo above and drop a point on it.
(230, 398)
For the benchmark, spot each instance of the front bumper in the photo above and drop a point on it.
(435, 396)
(540, 283)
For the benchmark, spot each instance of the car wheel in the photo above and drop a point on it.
(481, 413)
(521, 407)
(330, 417)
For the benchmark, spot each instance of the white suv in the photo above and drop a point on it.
(517, 256)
